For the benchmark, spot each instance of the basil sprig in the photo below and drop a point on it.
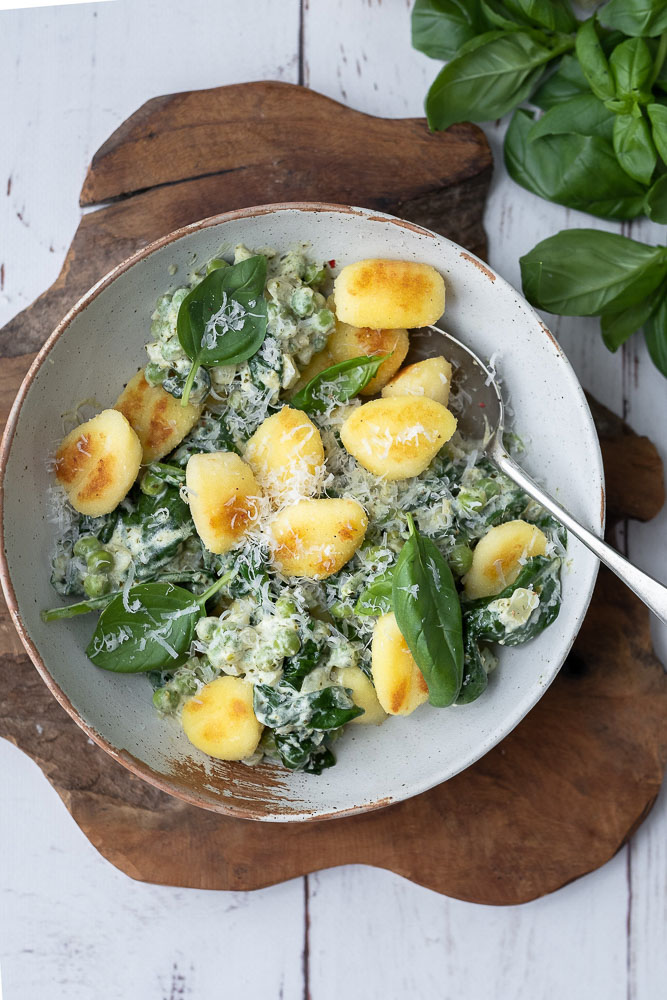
(222, 321)
(585, 272)
(428, 613)
(149, 628)
(598, 148)
(338, 383)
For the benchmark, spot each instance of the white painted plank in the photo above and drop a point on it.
(71, 75)
(72, 927)
(375, 935)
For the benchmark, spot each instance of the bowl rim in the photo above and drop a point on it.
(123, 757)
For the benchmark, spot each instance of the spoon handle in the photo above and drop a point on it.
(652, 593)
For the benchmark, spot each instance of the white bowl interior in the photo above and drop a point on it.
(103, 345)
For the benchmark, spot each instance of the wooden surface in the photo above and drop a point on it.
(71, 925)
(187, 156)
(543, 825)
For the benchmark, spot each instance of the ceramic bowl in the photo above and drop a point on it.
(100, 344)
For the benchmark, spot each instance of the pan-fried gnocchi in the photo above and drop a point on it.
(257, 532)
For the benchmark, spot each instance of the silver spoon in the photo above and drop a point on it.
(484, 420)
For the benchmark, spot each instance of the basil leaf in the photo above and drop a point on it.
(655, 334)
(540, 574)
(568, 81)
(475, 678)
(338, 383)
(376, 599)
(583, 114)
(584, 272)
(658, 116)
(222, 321)
(656, 200)
(617, 327)
(485, 83)
(154, 636)
(631, 65)
(561, 167)
(495, 14)
(635, 17)
(634, 147)
(428, 613)
(594, 62)
(555, 15)
(441, 27)
(282, 707)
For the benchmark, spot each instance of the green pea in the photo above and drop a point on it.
(471, 499)
(289, 644)
(301, 302)
(324, 319)
(96, 585)
(285, 607)
(165, 700)
(85, 545)
(460, 559)
(340, 610)
(151, 485)
(216, 264)
(100, 561)
(314, 275)
(155, 374)
(491, 487)
(183, 683)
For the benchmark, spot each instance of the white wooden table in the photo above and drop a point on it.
(73, 927)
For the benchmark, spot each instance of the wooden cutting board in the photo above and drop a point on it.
(564, 791)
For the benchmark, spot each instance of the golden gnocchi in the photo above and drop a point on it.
(158, 418)
(499, 555)
(223, 496)
(397, 437)
(399, 683)
(98, 462)
(388, 294)
(220, 719)
(348, 342)
(364, 695)
(315, 538)
(431, 377)
(286, 452)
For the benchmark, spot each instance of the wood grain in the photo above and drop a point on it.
(187, 156)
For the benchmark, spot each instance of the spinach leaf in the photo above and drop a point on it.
(338, 383)
(296, 667)
(488, 81)
(283, 708)
(376, 599)
(540, 574)
(428, 614)
(658, 117)
(97, 603)
(440, 27)
(635, 17)
(583, 114)
(150, 628)
(631, 65)
(155, 529)
(618, 326)
(656, 200)
(568, 81)
(655, 334)
(475, 678)
(594, 62)
(222, 321)
(634, 147)
(211, 433)
(301, 752)
(583, 272)
(174, 383)
(560, 168)
(163, 472)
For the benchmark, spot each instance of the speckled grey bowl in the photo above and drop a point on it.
(100, 344)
